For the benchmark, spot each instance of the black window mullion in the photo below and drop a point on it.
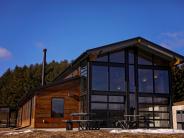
(108, 88)
(127, 83)
(153, 73)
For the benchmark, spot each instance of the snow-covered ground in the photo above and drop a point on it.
(18, 132)
(150, 131)
(110, 130)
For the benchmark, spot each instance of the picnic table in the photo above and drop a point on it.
(83, 124)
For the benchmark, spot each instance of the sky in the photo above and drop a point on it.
(69, 27)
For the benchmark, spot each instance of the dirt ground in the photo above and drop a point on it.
(86, 134)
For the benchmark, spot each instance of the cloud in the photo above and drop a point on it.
(173, 40)
(5, 53)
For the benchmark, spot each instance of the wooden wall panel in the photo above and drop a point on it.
(43, 107)
(26, 112)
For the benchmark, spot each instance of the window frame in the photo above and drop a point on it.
(52, 116)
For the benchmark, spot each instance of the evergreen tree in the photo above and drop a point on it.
(21, 80)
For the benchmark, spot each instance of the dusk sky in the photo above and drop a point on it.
(69, 27)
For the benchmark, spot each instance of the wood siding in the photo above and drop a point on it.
(26, 114)
(69, 92)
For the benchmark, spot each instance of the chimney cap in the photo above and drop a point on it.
(44, 50)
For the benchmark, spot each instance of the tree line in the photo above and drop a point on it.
(21, 80)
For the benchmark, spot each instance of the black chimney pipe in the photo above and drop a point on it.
(43, 66)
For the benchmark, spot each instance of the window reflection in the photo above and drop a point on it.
(116, 99)
(131, 57)
(117, 79)
(57, 107)
(145, 100)
(99, 78)
(145, 80)
(98, 98)
(158, 115)
(131, 78)
(116, 106)
(98, 106)
(118, 57)
(161, 81)
(162, 108)
(145, 107)
(161, 100)
(159, 123)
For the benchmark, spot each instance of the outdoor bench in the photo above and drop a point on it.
(83, 124)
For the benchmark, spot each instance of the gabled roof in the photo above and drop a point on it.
(134, 42)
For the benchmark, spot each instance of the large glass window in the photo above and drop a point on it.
(118, 57)
(57, 107)
(161, 108)
(131, 78)
(161, 81)
(145, 80)
(145, 100)
(98, 98)
(144, 58)
(103, 58)
(117, 79)
(131, 57)
(161, 100)
(116, 99)
(99, 106)
(116, 106)
(100, 78)
(145, 107)
(162, 123)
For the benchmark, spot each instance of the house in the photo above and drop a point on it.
(131, 77)
(178, 115)
(7, 116)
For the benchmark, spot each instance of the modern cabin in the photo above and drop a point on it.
(131, 77)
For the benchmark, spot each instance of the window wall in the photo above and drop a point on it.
(153, 90)
(131, 81)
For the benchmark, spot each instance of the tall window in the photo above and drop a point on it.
(57, 107)
(131, 78)
(118, 57)
(144, 58)
(145, 80)
(117, 79)
(161, 81)
(100, 78)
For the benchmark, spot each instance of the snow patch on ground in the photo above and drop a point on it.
(150, 131)
(19, 132)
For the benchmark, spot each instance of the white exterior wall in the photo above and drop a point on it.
(174, 109)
